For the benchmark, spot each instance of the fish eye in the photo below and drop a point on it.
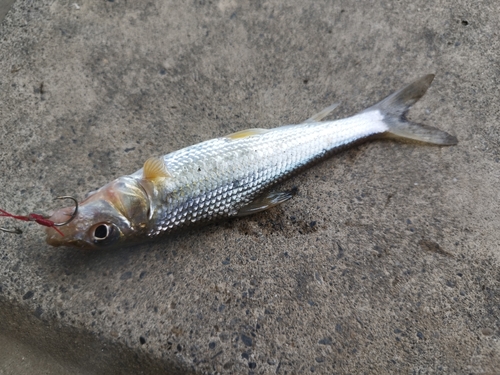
(102, 231)
(104, 234)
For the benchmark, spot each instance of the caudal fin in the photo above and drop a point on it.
(395, 107)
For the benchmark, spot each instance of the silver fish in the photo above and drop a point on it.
(229, 176)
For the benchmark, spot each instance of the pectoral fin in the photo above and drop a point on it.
(263, 202)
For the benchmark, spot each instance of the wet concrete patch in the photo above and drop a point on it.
(4, 8)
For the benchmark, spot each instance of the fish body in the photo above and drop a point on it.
(229, 176)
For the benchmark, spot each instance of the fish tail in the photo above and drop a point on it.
(395, 107)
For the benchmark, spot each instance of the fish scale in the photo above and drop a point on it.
(236, 171)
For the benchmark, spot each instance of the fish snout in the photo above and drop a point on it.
(54, 237)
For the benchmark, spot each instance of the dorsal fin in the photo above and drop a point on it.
(317, 117)
(246, 133)
(154, 168)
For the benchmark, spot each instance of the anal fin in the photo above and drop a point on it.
(266, 201)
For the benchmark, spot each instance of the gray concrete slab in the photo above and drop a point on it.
(385, 262)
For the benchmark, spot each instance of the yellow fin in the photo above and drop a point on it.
(246, 133)
(154, 168)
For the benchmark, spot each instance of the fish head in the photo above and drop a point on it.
(116, 213)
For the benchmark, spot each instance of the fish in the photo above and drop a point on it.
(230, 176)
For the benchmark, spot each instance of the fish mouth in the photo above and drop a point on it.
(54, 239)
(62, 215)
(69, 231)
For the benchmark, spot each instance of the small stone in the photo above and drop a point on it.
(246, 340)
(38, 312)
(487, 331)
(29, 295)
(325, 341)
(126, 275)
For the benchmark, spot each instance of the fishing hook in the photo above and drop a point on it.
(15, 230)
(72, 215)
(40, 219)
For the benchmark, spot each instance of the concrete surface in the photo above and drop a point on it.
(387, 260)
(4, 8)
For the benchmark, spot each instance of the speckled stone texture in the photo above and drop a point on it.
(386, 261)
